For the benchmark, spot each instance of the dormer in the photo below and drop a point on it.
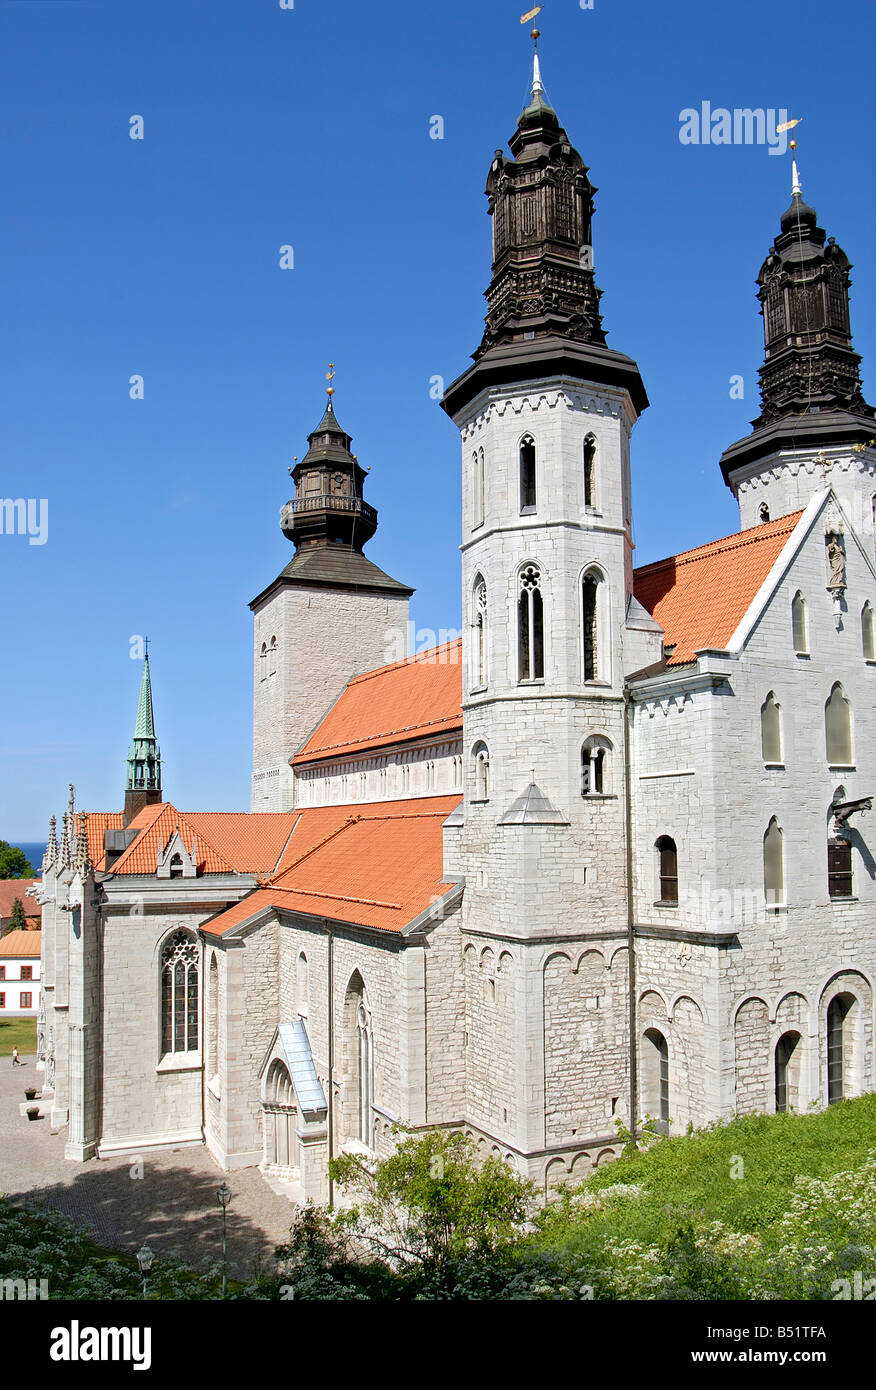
(175, 861)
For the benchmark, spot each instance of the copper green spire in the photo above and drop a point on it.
(144, 758)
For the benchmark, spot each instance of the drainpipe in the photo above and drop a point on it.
(331, 1062)
(631, 935)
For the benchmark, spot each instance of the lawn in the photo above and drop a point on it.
(20, 1033)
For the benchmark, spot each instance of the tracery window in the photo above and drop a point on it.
(478, 497)
(530, 625)
(179, 993)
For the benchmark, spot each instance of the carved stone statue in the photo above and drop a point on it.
(837, 559)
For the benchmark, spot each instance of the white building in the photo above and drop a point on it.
(605, 858)
(20, 953)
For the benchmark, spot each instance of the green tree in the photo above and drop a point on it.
(431, 1202)
(13, 863)
(17, 919)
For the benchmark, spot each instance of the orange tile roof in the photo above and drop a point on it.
(700, 597)
(21, 943)
(12, 888)
(394, 704)
(227, 841)
(96, 822)
(377, 865)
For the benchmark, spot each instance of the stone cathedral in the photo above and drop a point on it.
(604, 861)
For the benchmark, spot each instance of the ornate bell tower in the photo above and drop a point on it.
(330, 615)
(815, 426)
(551, 628)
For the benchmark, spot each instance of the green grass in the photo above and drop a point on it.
(20, 1033)
(693, 1174)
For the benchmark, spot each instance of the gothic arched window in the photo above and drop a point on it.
(667, 867)
(179, 993)
(263, 662)
(799, 624)
(590, 471)
(302, 984)
(530, 625)
(479, 633)
(481, 755)
(771, 730)
(590, 604)
(838, 728)
(527, 473)
(837, 1061)
(595, 766)
(788, 1052)
(774, 865)
(868, 639)
(655, 1075)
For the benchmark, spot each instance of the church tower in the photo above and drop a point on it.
(815, 428)
(551, 629)
(330, 615)
(143, 786)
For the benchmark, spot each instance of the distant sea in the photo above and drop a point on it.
(33, 852)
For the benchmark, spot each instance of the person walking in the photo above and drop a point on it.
(16, 1060)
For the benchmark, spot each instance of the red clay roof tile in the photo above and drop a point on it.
(700, 597)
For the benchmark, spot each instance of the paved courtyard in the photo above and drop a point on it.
(172, 1206)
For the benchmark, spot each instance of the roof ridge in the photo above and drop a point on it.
(350, 820)
(737, 540)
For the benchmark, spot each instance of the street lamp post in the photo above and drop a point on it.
(224, 1196)
(144, 1260)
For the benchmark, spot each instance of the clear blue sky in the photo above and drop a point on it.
(310, 127)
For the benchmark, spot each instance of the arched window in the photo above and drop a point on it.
(179, 993)
(774, 865)
(176, 866)
(478, 488)
(366, 1072)
(302, 984)
(788, 1052)
(837, 1012)
(590, 471)
(839, 868)
(590, 624)
(838, 728)
(868, 638)
(530, 625)
(479, 634)
(771, 730)
(799, 624)
(655, 1076)
(263, 662)
(481, 755)
(272, 657)
(595, 766)
(667, 867)
(527, 473)
(763, 512)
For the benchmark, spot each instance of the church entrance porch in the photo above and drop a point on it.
(294, 1116)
